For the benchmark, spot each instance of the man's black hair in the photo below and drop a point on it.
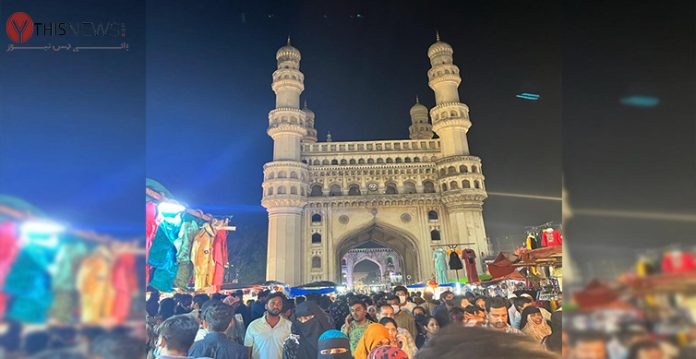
(520, 301)
(238, 294)
(357, 301)
(400, 288)
(456, 314)
(472, 309)
(300, 299)
(92, 331)
(496, 302)
(185, 300)
(218, 315)
(280, 295)
(218, 296)
(200, 299)
(166, 308)
(444, 294)
(179, 332)
(392, 297)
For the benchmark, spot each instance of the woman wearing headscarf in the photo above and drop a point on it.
(534, 325)
(310, 322)
(334, 344)
(387, 352)
(375, 335)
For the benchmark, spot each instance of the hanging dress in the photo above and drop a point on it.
(440, 265)
(455, 263)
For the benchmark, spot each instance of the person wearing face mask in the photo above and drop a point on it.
(402, 317)
(404, 298)
(310, 322)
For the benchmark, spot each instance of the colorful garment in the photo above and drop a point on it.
(551, 238)
(125, 284)
(68, 260)
(163, 255)
(150, 231)
(355, 333)
(29, 283)
(374, 336)
(202, 257)
(95, 286)
(440, 265)
(9, 248)
(220, 258)
(184, 245)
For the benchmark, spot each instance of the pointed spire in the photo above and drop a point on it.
(417, 99)
(289, 40)
(437, 35)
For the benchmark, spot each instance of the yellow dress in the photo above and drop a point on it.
(202, 257)
(95, 287)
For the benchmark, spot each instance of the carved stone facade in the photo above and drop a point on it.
(387, 260)
(326, 198)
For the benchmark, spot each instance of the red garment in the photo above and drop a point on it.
(553, 240)
(125, 284)
(9, 248)
(469, 259)
(220, 258)
(678, 263)
(150, 231)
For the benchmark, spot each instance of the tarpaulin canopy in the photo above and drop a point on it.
(501, 266)
(304, 291)
(320, 284)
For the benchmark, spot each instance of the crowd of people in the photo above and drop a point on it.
(382, 325)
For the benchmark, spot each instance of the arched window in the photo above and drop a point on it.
(316, 262)
(316, 191)
(316, 218)
(390, 188)
(407, 160)
(316, 162)
(316, 238)
(304, 161)
(454, 185)
(390, 160)
(293, 190)
(352, 161)
(466, 184)
(334, 162)
(477, 184)
(269, 192)
(409, 187)
(370, 161)
(293, 174)
(444, 187)
(344, 162)
(282, 174)
(354, 190)
(434, 235)
(271, 175)
(361, 161)
(463, 169)
(416, 159)
(442, 172)
(325, 162)
(281, 190)
(451, 170)
(474, 169)
(335, 190)
(398, 160)
(380, 160)
(428, 187)
(432, 215)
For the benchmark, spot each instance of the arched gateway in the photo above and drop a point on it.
(326, 198)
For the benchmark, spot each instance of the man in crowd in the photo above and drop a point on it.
(404, 318)
(216, 319)
(519, 303)
(198, 301)
(442, 311)
(265, 336)
(175, 336)
(238, 296)
(474, 316)
(356, 323)
(429, 304)
(588, 345)
(259, 306)
(498, 315)
(402, 293)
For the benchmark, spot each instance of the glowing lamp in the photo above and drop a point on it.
(170, 208)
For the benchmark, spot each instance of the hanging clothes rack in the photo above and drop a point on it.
(194, 212)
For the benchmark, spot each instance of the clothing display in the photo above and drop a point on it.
(220, 258)
(455, 263)
(94, 285)
(67, 263)
(150, 231)
(125, 284)
(29, 284)
(440, 265)
(9, 248)
(678, 262)
(163, 254)
(201, 257)
(469, 257)
(183, 245)
(551, 237)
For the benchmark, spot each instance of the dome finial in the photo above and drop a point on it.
(305, 103)
(328, 137)
(288, 39)
(437, 35)
(417, 99)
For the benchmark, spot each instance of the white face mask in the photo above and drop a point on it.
(402, 299)
(396, 308)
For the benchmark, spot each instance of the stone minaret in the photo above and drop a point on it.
(460, 175)
(420, 128)
(284, 186)
(311, 136)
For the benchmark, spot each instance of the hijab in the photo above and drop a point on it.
(335, 345)
(371, 339)
(536, 331)
(387, 352)
(310, 330)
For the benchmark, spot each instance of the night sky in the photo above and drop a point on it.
(209, 75)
